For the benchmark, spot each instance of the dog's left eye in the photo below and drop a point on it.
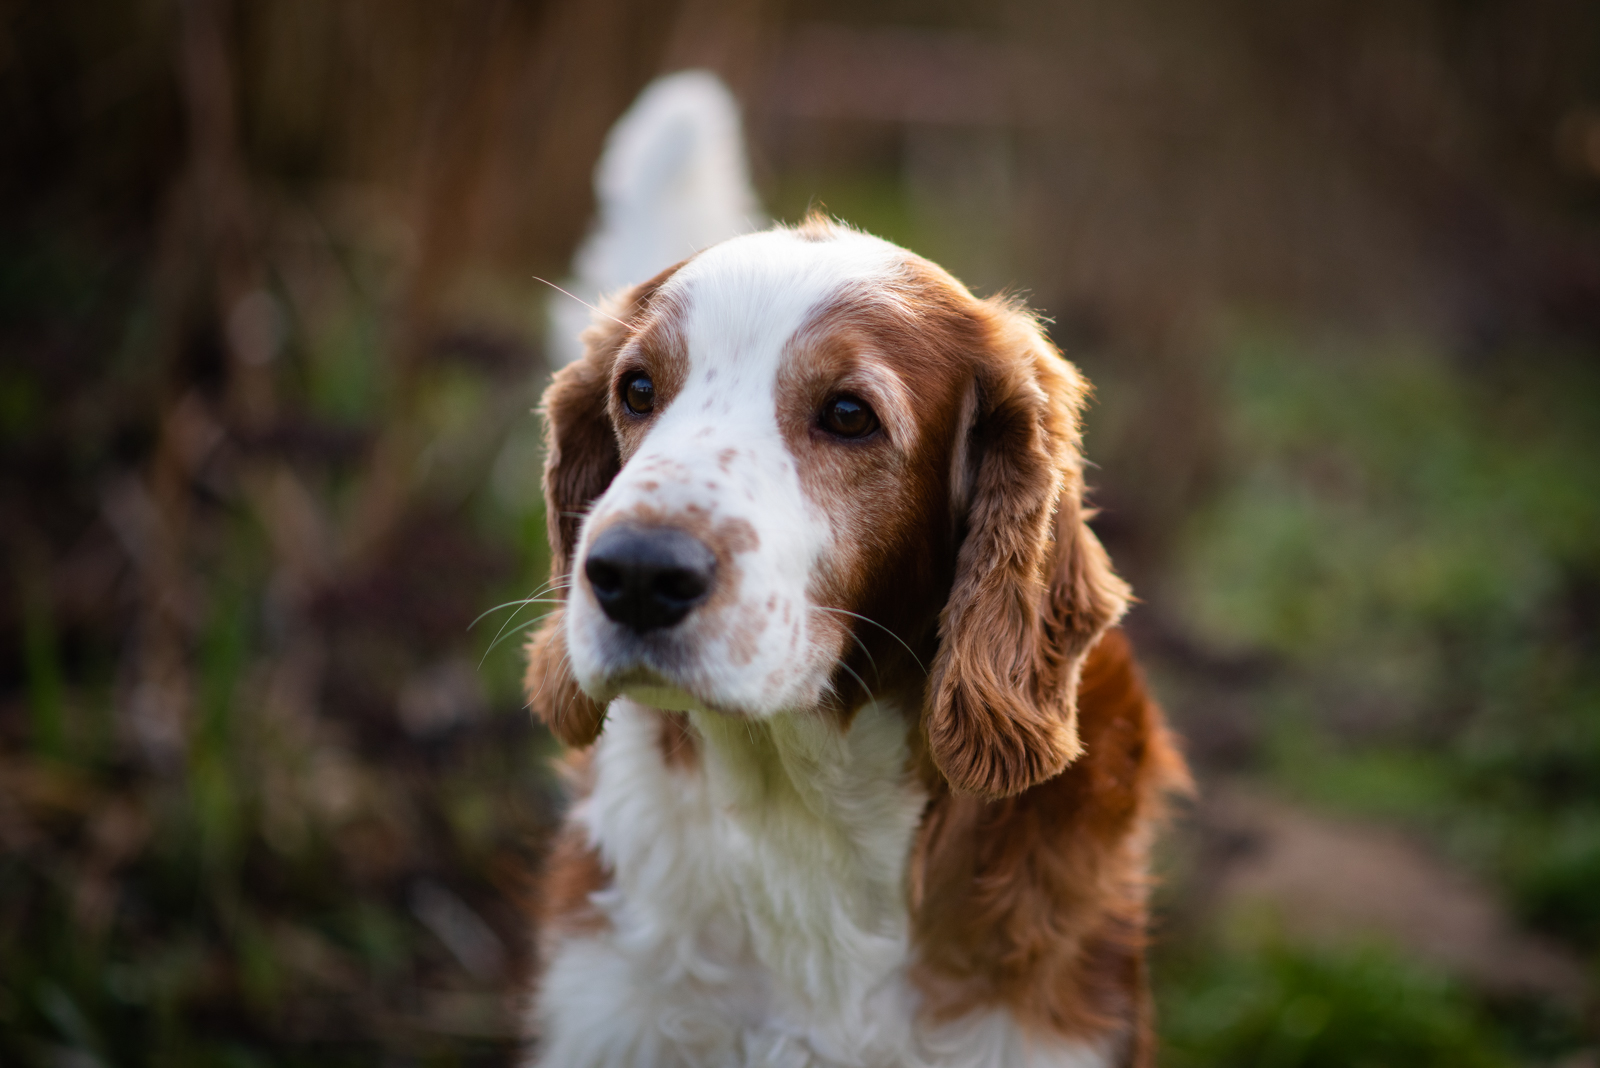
(848, 417)
(639, 394)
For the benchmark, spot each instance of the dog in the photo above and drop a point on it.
(863, 770)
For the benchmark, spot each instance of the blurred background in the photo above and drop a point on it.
(269, 339)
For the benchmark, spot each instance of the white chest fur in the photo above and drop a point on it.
(758, 910)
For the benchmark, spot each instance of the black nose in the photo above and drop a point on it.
(649, 577)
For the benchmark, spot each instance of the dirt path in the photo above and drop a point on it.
(1332, 880)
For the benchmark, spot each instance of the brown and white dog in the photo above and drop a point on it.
(864, 775)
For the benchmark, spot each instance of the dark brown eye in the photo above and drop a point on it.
(848, 417)
(639, 394)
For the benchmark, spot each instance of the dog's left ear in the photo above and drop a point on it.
(581, 459)
(1034, 589)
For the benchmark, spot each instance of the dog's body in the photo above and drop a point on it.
(877, 778)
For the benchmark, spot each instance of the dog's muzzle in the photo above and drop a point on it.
(648, 578)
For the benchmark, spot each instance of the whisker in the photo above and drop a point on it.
(846, 667)
(880, 626)
(868, 652)
(535, 621)
(545, 587)
(488, 611)
(531, 600)
(554, 583)
(515, 604)
(585, 303)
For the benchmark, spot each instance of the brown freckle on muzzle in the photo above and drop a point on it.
(744, 641)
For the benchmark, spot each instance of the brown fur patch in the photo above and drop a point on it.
(657, 349)
(573, 870)
(906, 352)
(680, 746)
(986, 569)
(573, 873)
(553, 693)
(1036, 902)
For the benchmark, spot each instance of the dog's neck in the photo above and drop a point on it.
(780, 846)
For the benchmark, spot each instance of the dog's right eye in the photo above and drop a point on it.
(639, 394)
(848, 417)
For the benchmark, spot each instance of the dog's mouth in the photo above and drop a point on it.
(650, 687)
(687, 668)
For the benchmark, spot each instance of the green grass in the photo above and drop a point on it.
(1284, 1007)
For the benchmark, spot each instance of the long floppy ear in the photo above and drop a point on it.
(1034, 589)
(581, 459)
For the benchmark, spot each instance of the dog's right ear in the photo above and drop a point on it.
(581, 459)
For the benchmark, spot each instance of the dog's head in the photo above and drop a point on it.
(804, 468)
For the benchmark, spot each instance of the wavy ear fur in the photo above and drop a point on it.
(581, 459)
(1034, 589)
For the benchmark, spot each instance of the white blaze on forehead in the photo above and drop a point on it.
(742, 303)
(746, 298)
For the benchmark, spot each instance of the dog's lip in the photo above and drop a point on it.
(650, 687)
